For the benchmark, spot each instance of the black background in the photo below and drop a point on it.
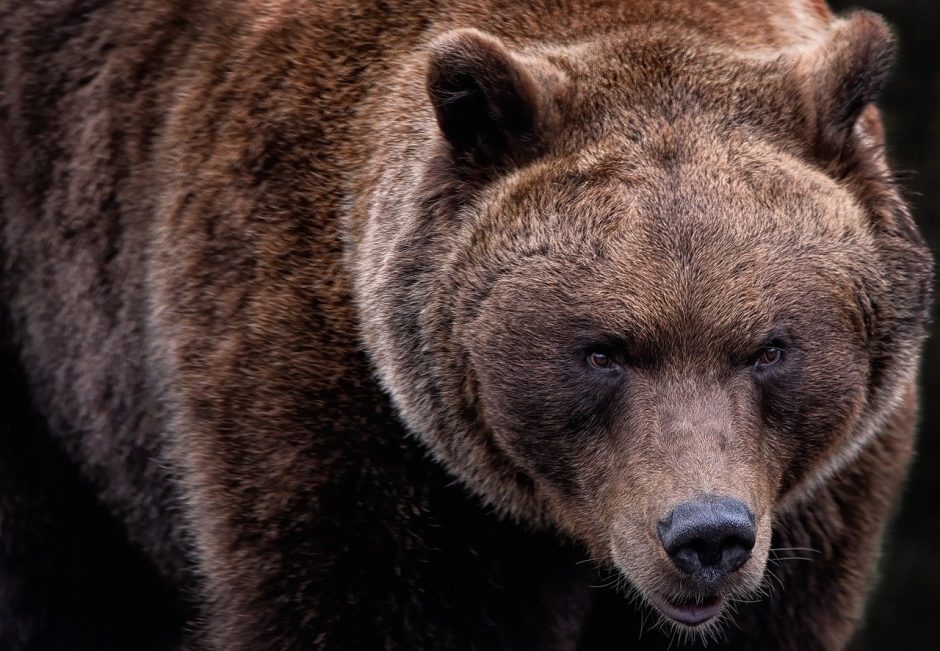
(904, 612)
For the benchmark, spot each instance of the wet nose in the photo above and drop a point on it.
(709, 538)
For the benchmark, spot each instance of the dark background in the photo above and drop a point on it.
(904, 612)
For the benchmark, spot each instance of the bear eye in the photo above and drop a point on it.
(600, 359)
(769, 355)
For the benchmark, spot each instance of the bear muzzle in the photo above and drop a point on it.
(707, 539)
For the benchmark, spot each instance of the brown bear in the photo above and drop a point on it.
(479, 324)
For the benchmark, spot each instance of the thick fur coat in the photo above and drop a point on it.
(296, 298)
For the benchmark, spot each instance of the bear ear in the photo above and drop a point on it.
(491, 104)
(846, 73)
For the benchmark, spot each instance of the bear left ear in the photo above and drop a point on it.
(492, 105)
(846, 73)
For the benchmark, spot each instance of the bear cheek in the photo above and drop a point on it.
(540, 424)
(814, 415)
(542, 411)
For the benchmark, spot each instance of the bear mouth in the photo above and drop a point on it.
(689, 611)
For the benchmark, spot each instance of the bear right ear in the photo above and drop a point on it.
(846, 74)
(491, 104)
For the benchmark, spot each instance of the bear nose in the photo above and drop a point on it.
(709, 538)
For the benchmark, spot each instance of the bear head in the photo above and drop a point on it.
(645, 289)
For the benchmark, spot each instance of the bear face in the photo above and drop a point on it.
(686, 348)
(648, 292)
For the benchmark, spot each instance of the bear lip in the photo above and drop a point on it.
(691, 612)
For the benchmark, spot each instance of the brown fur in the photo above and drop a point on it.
(261, 258)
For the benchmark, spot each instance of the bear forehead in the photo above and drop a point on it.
(706, 190)
(733, 236)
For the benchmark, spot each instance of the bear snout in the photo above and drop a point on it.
(709, 538)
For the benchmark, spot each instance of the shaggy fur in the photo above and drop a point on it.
(297, 301)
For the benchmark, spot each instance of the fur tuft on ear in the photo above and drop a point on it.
(491, 104)
(846, 73)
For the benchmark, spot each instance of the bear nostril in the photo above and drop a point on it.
(713, 535)
(735, 553)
